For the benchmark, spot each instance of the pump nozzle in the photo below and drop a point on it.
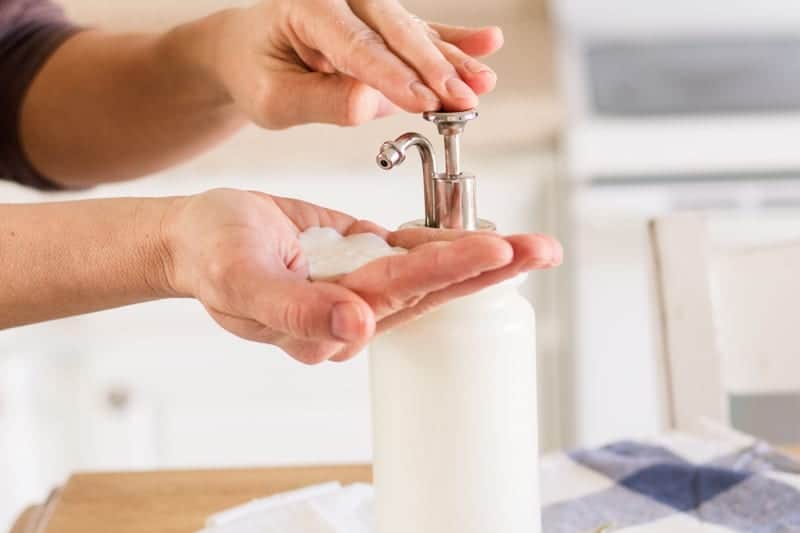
(394, 153)
(449, 196)
(389, 156)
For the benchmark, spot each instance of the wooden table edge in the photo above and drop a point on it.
(108, 492)
(35, 517)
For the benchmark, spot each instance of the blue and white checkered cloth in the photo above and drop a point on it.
(672, 484)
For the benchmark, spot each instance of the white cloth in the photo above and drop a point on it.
(325, 508)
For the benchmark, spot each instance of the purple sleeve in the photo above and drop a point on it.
(30, 31)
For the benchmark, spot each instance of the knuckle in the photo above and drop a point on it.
(360, 44)
(296, 320)
(397, 302)
(424, 307)
(412, 26)
(391, 269)
(396, 298)
(365, 39)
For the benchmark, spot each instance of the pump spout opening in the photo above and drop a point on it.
(393, 153)
(389, 156)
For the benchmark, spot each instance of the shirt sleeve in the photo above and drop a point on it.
(30, 31)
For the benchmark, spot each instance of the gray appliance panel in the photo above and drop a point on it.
(772, 417)
(681, 77)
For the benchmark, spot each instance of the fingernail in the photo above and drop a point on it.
(424, 93)
(346, 321)
(476, 68)
(458, 89)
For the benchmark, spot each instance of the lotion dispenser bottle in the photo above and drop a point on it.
(454, 392)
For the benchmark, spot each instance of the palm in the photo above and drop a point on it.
(248, 270)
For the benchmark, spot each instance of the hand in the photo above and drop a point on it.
(289, 62)
(237, 252)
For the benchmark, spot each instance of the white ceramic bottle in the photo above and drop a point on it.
(454, 405)
(454, 419)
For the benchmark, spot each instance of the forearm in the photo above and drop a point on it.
(109, 107)
(68, 258)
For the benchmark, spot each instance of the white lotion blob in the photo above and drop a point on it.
(330, 255)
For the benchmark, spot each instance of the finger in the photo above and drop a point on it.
(438, 298)
(357, 50)
(311, 352)
(533, 251)
(480, 78)
(367, 226)
(316, 97)
(305, 351)
(410, 39)
(305, 310)
(306, 215)
(392, 283)
(538, 248)
(477, 42)
(312, 59)
(530, 252)
(413, 237)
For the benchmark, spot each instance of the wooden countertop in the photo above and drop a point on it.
(173, 501)
(168, 501)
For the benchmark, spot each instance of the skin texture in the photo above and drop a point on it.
(110, 107)
(279, 63)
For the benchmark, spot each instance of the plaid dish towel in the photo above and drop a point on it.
(672, 484)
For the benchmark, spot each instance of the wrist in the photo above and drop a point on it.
(153, 229)
(193, 49)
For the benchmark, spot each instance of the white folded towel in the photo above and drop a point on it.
(325, 508)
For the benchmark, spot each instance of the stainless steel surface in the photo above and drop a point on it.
(452, 154)
(394, 153)
(449, 119)
(455, 202)
(483, 224)
(450, 197)
(451, 126)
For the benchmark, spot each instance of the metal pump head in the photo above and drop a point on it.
(450, 200)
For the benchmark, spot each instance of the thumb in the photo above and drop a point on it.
(316, 97)
(312, 310)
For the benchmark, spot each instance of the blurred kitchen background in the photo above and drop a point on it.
(606, 114)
